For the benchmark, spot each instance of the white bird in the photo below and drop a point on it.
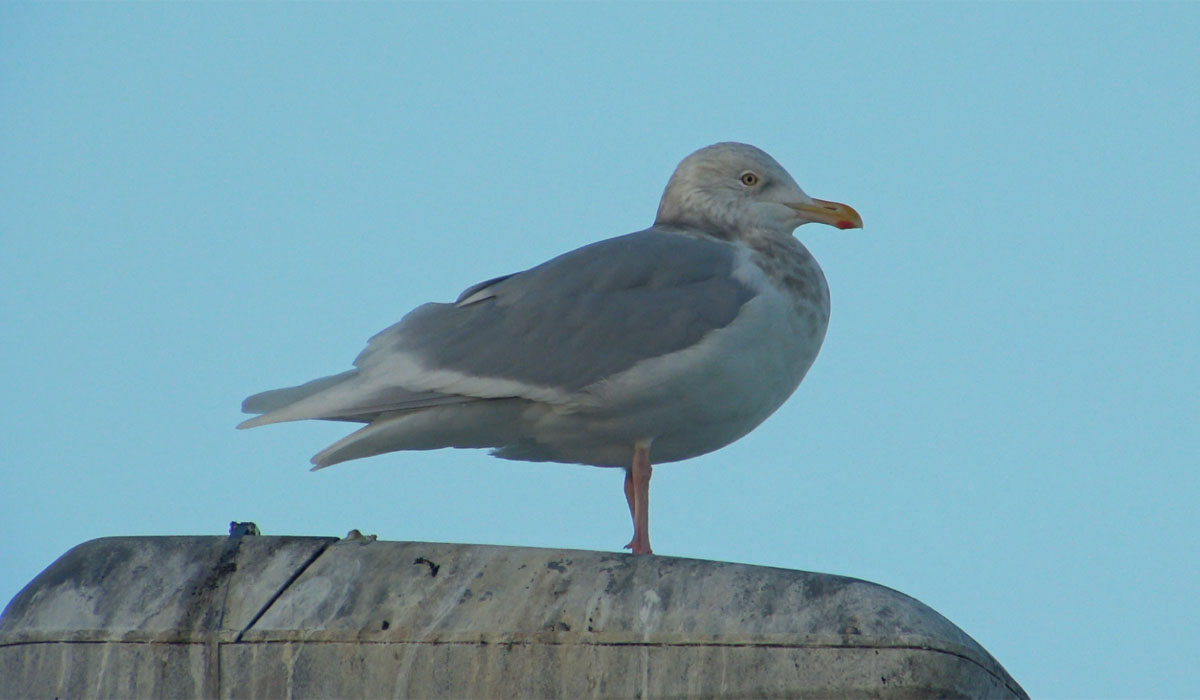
(667, 343)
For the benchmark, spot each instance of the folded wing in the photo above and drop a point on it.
(541, 335)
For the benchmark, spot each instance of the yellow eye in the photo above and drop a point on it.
(749, 179)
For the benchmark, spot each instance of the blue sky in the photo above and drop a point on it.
(202, 201)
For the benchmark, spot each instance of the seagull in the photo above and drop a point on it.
(663, 344)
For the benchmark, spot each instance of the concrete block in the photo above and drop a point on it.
(304, 617)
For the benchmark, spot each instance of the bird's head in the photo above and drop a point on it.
(730, 189)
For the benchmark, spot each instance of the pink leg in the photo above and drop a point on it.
(637, 494)
(629, 496)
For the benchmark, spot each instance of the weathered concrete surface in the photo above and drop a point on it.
(317, 617)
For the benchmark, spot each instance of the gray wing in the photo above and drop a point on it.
(579, 318)
(563, 325)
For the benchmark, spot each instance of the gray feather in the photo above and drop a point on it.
(288, 404)
(568, 323)
(579, 318)
(274, 399)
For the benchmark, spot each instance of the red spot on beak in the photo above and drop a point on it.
(844, 225)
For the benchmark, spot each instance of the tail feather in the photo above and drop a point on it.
(347, 397)
(279, 405)
(275, 399)
(480, 423)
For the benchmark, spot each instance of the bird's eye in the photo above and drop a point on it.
(749, 179)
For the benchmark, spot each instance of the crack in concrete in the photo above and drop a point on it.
(282, 589)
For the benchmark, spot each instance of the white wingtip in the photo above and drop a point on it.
(251, 423)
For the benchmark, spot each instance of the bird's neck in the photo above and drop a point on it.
(697, 211)
(791, 268)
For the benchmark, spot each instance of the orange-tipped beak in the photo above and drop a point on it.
(836, 214)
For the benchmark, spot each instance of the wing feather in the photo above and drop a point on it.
(547, 332)
(577, 319)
